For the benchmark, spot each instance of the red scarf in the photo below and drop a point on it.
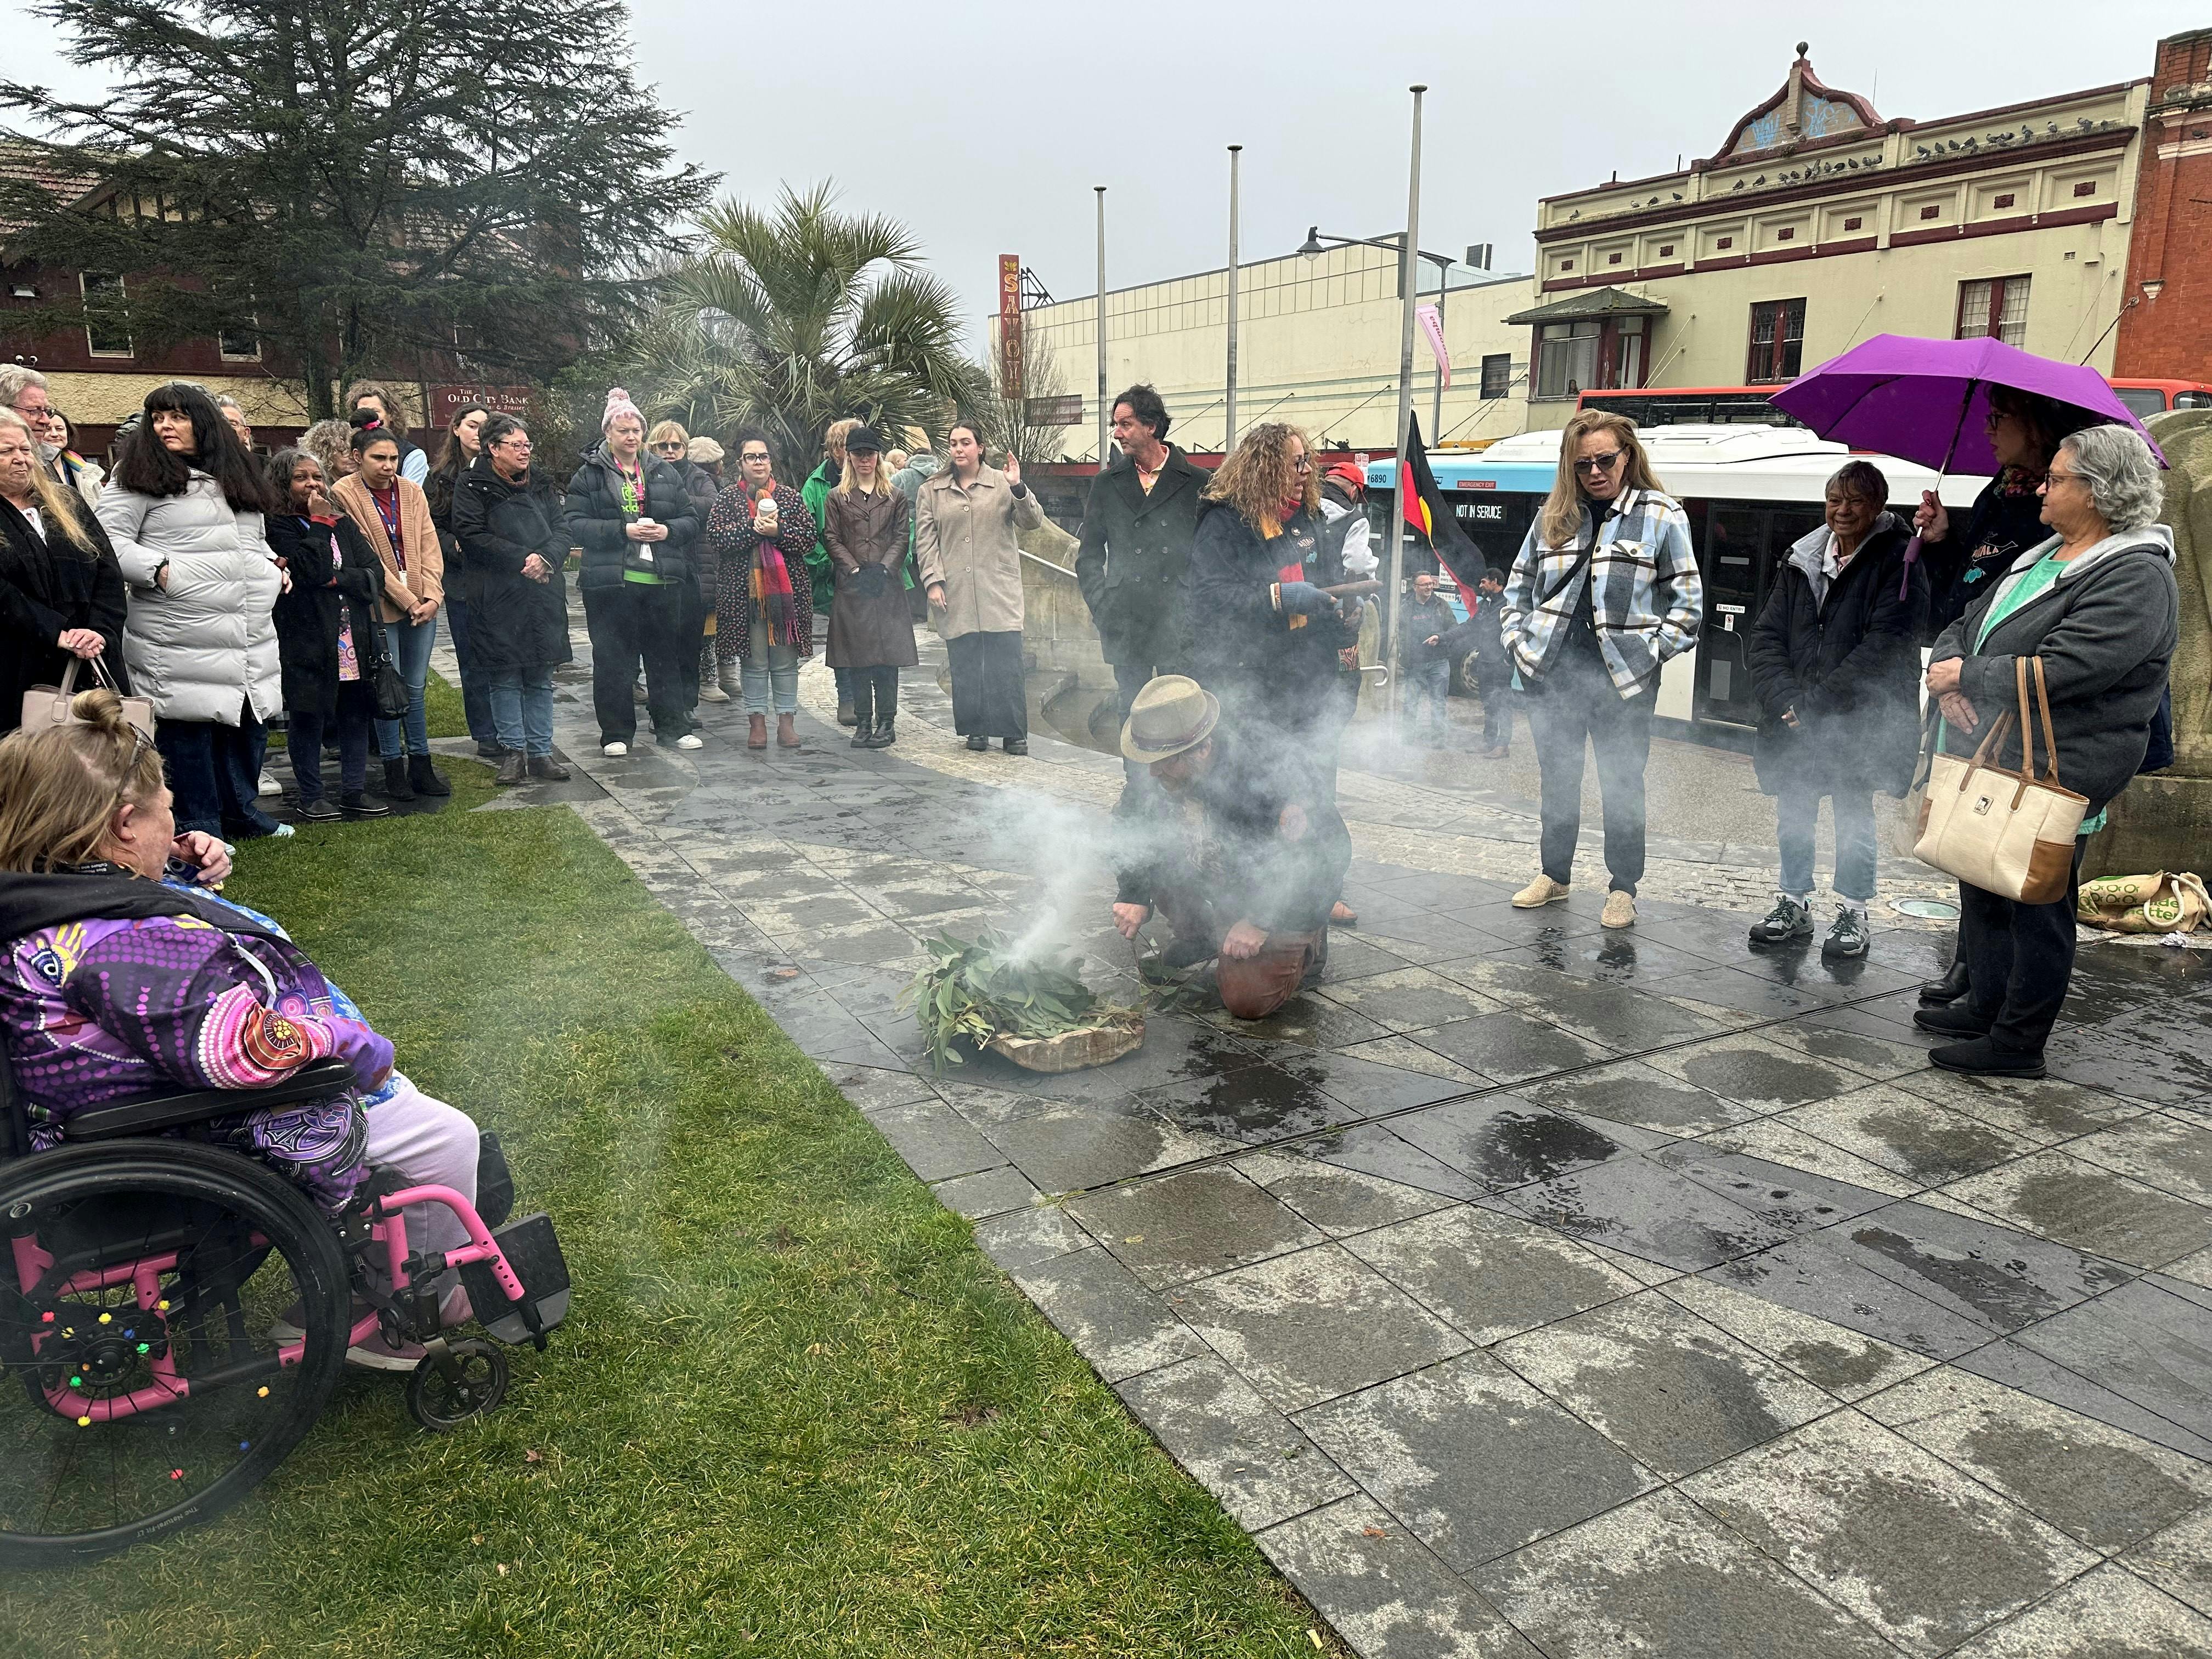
(771, 577)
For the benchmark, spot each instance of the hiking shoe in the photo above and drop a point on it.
(1786, 921)
(1847, 938)
(1541, 891)
(1619, 910)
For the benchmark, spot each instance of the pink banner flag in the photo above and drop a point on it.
(1433, 327)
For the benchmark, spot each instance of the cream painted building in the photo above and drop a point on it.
(1817, 223)
(1318, 346)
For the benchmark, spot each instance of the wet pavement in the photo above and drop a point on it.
(1525, 1288)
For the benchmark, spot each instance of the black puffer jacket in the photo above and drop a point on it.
(324, 597)
(1848, 662)
(2005, 520)
(518, 623)
(597, 522)
(1242, 646)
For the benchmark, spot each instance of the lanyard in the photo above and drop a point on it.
(391, 517)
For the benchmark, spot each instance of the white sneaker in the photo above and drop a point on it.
(614, 750)
(690, 740)
(270, 785)
(710, 692)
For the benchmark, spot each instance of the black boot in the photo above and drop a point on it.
(425, 778)
(883, 737)
(514, 768)
(396, 785)
(863, 729)
(1940, 994)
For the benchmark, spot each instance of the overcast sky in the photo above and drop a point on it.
(985, 127)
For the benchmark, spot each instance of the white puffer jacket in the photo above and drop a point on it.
(206, 644)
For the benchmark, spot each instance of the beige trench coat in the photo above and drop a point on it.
(965, 539)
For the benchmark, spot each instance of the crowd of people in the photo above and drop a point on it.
(232, 593)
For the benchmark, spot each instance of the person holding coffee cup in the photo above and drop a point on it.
(764, 610)
(634, 519)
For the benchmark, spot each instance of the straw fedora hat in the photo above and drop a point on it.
(1173, 713)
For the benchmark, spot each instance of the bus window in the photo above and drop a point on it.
(1742, 546)
(1497, 523)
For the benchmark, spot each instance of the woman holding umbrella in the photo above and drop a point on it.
(2096, 608)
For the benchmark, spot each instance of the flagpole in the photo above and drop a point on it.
(1105, 412)
(1229, 439)
(1408, 256)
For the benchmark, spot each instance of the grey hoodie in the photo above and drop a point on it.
(2105, 631)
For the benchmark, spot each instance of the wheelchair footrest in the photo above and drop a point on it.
(534, 1252)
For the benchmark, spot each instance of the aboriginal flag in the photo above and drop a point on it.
(1426, 510)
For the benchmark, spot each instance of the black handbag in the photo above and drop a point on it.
(385, 686)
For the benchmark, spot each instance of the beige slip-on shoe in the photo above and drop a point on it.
(1619, 910)
(1541, 891)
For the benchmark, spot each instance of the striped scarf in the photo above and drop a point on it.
(771, 581)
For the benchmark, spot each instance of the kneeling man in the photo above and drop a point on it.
(1241, 863)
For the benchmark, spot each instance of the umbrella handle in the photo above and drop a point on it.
(1911, 558)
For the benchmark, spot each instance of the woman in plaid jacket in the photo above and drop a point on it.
(1604, 592)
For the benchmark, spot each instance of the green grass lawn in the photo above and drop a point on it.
(793, 1410)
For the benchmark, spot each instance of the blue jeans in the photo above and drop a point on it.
(356, 713)
(779, 673)
(1429, 682)
(1797, 813)
(410, 644)
(522, 708)
(215, 772)
(476, 684)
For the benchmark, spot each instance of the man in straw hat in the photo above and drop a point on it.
(1241, 866)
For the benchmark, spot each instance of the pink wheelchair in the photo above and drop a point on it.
(175, 1316)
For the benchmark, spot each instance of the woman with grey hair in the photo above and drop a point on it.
(330, 442)
(1835, 660)
(2096, 605)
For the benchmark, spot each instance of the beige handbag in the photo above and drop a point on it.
(43, 705)
(2007, 832)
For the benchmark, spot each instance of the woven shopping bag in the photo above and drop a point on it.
(2008, 832)
(46, 705)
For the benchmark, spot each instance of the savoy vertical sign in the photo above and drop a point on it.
(1010, 327)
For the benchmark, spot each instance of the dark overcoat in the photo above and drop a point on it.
(517, 622)
(1133, 557)
(870, 626)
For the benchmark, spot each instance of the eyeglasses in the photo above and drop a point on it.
(512, 443)
(754, 455)
(1597, 462)
(2050, 479)
(1304, 463)
(673, 446)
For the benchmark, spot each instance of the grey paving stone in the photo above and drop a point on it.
(1871, 1055)
(1640, 1206)
(1250, 1107)
(1188, 1225)
(1756, 1073)
(1630, 956)
(2142, 1342)
(1338, 1201)
(2104, 1614)
(1505, 1141)
(2158, 1150)
(1630, 1092)
(1848, 1363)
(1808, 1276)
(1614, 1015)
(1067, 1148)
(1351, 957)
(1777, 1141)
(1369, 1088)
(1310, 1019)
(873, 1087)
(1661, 1577)
(1491, 1276)
(1023, 1239)
(1910, 1136)
(1991, 1274)
(1795, 1200)
(1746, 993)
(2056, 1196)
(936, 1141)
(1385, 1594)
(2042, 1109)
(1371, 1148)
(1113, 1321)
(1408, 1055)
(2101, 1486)
(1510, 1046)
(987, 1192)
(1676, 1394)
(1477, 1462)
(2180, 1560)
(1924, 1555)
(2011, 1362)
(1313, 1325)
(1250, 1456)
(1409, 999)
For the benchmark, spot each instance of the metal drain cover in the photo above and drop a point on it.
(1927, 910)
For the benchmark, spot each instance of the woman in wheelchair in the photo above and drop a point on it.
(122, 977)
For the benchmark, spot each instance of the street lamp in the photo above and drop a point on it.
(1315, 245)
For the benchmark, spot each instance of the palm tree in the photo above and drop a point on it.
(795, 318)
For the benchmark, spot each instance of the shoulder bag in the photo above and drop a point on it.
(46, 705)
(2007, 832)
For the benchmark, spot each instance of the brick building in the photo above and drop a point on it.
(2166, 332)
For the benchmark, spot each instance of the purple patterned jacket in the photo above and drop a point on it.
(100, 1009)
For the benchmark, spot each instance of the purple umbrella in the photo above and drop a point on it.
(1929, 400)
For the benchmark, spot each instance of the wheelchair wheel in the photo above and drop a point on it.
(146, 1289)
(442, 1397)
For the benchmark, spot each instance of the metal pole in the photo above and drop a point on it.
(1398, 485)
(1229, 428)
(1443, 286)
(1105, 414)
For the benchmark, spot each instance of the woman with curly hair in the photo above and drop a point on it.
(1266, 638)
